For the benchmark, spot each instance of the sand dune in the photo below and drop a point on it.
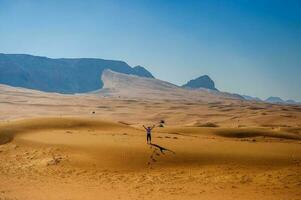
(92, 157)
(131, 86)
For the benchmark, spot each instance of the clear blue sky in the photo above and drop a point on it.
(247, 46)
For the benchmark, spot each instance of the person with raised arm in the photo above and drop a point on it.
(149, 133)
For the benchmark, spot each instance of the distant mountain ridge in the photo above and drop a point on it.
(250, 98)
(81, 75)
(275, 100)
(64, 75)
(201, 82)
(279, 100)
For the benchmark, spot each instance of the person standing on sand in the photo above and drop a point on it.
(149, 133)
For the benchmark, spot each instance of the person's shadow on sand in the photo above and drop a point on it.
(162, 149)
(155, 153)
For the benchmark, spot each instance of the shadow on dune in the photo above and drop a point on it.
(11, 129)
(162, 149)
(155, 154)
(247, 132)
(6, 138)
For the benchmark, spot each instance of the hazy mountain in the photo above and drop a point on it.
(250, 98)
(290, 101)
(75, 75)
(274, 100)
(270, 100)
(201, 82)
(141, 71)
(279, 100)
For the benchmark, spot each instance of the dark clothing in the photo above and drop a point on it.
(149, 138)
(149, 134)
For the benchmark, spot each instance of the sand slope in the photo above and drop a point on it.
(131, 86)
(84, 158)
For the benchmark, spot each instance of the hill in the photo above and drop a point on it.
(201, 82)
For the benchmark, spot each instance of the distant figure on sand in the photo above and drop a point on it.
(149, 133)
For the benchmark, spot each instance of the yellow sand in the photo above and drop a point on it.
(54, 147)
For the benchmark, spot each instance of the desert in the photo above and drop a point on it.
(150, 100)
(93, 146)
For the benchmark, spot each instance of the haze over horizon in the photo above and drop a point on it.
(246, 47)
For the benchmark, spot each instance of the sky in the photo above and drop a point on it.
(248, 47)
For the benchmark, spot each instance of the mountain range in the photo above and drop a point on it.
(81, 75)
(279, 100)
(275, 100)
